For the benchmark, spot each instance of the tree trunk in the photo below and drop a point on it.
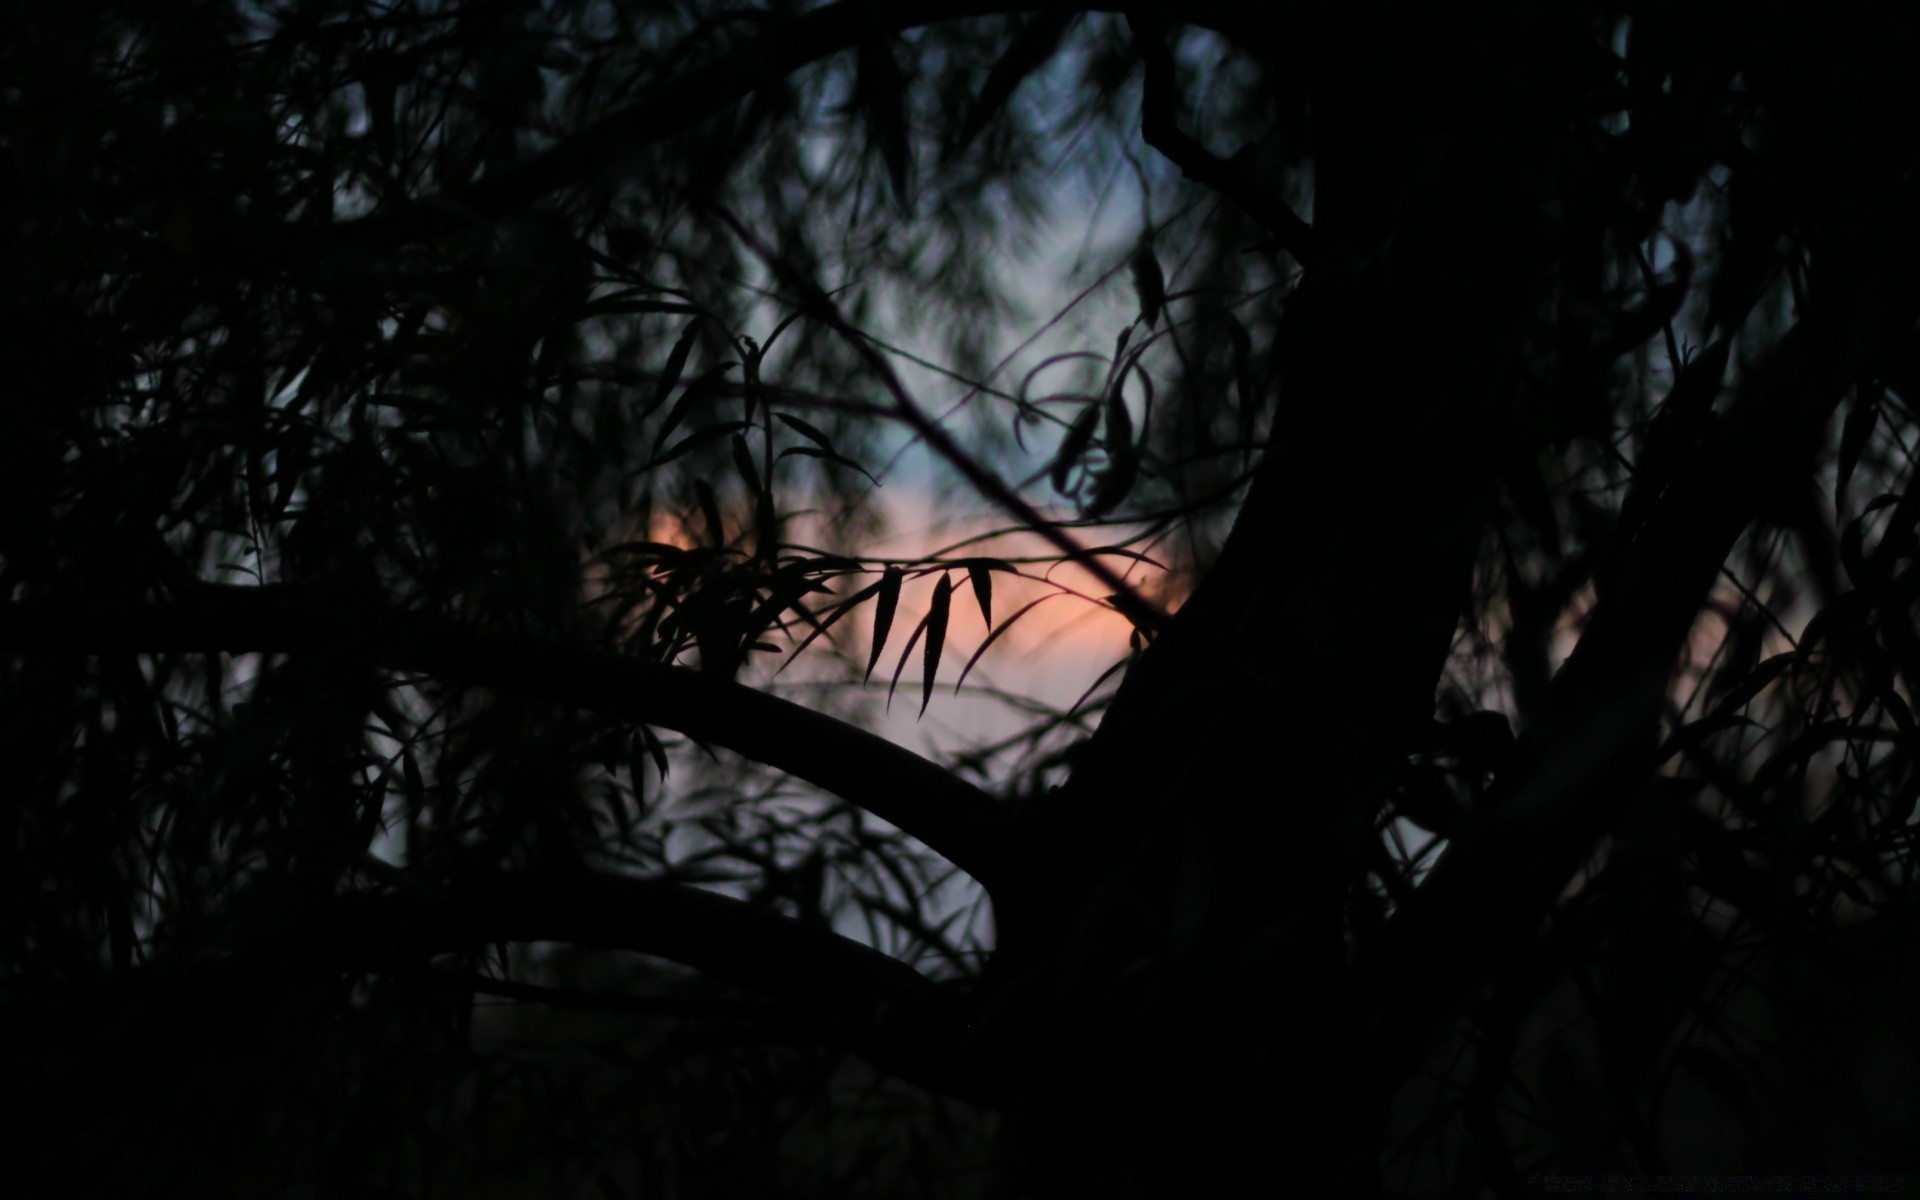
(1189, 965)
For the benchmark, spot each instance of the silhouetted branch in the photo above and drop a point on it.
(1160, 127)
(1496, 882)
(684, 1007)
(861, 999)
(951, 816)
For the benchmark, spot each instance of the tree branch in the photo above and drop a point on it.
(954, 818)
(854, 995)
(1495, 884)
(1228, 177)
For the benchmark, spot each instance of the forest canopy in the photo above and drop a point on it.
(460, 650)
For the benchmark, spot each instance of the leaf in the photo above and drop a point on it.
(882, 90)
(807, 431)
(1692, 735)
(995, 636)
(1636, 325)
(410, 771)
(1135, 555)
(637, 768)
(830, 457)
(889, 588)
(981, 577)
(1757, 679)
(820, 627)
(678, 412)
(1854, 435)
(1149, 283)
(1123, 465)
(1243, 381)
(1074, 445)
(750, 356)
(710, 509)
(1029, 50)
(656, 748)
(743, 460)
(1116, 484)
(670, 374)
(936, 636)
(901, 666)
(712, 433)
(1119, 419)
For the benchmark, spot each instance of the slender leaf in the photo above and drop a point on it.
(743, 461)
(1149, 283)
(1074, 445)
(840, 610)
(1854, 435)
(995, 636)
(710, 509)
(670, 374)
(901, 666)
(680, 409)
(656, 748)
(981, 576)
(806, 430)
(936, 636)
(889, 602)
(830, 457)
(712, 433)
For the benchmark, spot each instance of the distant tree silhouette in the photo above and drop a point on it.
(407, 413)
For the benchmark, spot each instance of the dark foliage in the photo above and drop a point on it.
(425, 426)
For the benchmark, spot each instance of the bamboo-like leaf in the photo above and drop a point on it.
(995, 636)
(1123, 457)
(806, 430)
(637, 768)
(1149, 283)
(750, 356)
(656, 748)
(410, 771)
(901, 666)
(743, 461)
(712, 433)
(1854, 435)
(1757, 679)
(936, 636)
(889, 602)
(1243, 382)
(1026, 53)
(820, 627)
(1135, 555)
(829, 457)
(679, 411)
(1636, 325)
(710, 509)
(1074, 445)
(981, 576)
(1119, 418)
(1116, 484)
(676, 363)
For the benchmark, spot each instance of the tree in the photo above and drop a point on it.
(409, 415)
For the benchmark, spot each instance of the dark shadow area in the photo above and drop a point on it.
(430, 429)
